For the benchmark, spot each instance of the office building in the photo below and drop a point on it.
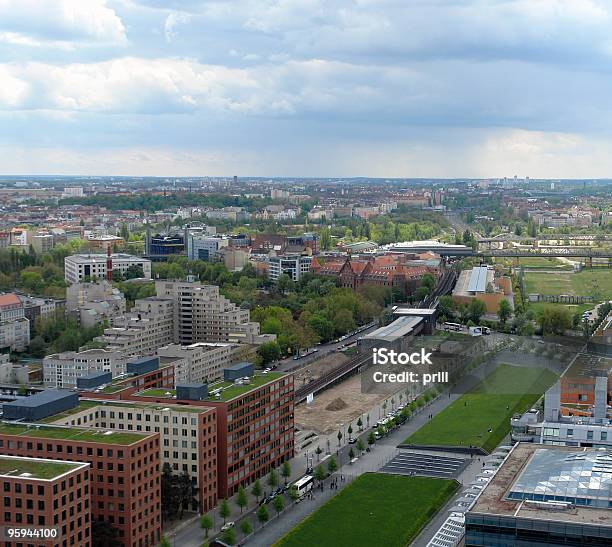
(47, 493)
(205, 247)
(159, 247)
(64, 369)
(545, 496)
(187, 437)
(295, 266)
(255, 425)
(200, 362)
(124, 478)
(85, 267)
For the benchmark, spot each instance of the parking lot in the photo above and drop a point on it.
(427, 464)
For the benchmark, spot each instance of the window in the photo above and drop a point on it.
(604, 435)
(589, 435)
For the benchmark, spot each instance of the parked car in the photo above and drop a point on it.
(228, 525)
(352, 440)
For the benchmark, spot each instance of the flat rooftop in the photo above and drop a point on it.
(34, 468)
(229, 390)
(71, 433)
(520, 463)
(403, 326)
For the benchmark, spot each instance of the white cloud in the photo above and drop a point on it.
(173, 20)
(60, 21)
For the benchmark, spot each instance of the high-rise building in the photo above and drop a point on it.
(201, 362)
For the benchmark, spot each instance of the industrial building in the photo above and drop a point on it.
(482, 283)
(396, 335)
(545, 496)
(39, 406)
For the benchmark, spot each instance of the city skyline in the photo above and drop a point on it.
(312, 88)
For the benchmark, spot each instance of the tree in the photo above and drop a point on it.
(332, 466)
(555, 320)
(273, 479)
(318, 452)
(350, 430)
(279, 504)
(446, 306)
(371, 438)
(241, 498)
(269, 352)
(428, 281)
(319, 473)
(360, 423)
(177, 493)
(351, 453)
(293, 493)
(339, 437)
(262, 514)
(286, 471)
(206, 523)
(134, 271)
(476, 310)
(257, 490)
(246, 527)
(229, 536)
(325, 240)
(421, 293)
(117, 276)
(224, 510)
(360, 446)
(504, 311)
(284, 283)
(165, 542)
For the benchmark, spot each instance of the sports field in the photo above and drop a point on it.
(376, 509)
(596, 282)
(481, 417)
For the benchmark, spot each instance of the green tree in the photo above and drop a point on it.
(325, 239)
(421, 293)
(319, 473)
(504, 311)
(257, 489)
(351, 453)
(476, 310)
(371, 438)
(293, 493)
(262, 514)
(332, 466)
(350, 430)
(241, 498)
(318, 451)
(286, 471)
(224, 510)
(273, 478)
(269, 352)
(279, 504)
(360, 423)
(284, 283)
(246, 527)
(229, 536)
(446, 306)
(339, 437)
(360, 446)
(164, 542)
(206, 523)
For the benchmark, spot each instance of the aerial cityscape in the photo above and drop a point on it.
(305, 273)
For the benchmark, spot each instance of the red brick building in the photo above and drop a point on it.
(124, 478)
(46, 495)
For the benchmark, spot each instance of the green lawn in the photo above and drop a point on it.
(544, 263)
(376, 509)
(597, 283)
(37, 469)
(489, 406)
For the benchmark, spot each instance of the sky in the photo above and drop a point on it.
(338, 88)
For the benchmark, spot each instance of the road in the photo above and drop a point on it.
(457, 223)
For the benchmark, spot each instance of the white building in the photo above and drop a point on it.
(63, 369)
(202, 247)
(73, 192)
(294, 266)
(90, 266)
(93, 303)
(202, 362)
(147, 327)
(14, 326)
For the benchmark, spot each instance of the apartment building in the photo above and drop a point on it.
(48, 494)
(295, 266)
(124, 477)
(187, 437)
(201, 314)
(148, 326)
(80, 267)
(93, 303)
(14, 326)
(201, 362)
(63, 369)
(255, 425)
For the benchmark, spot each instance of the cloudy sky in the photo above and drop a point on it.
(390, 88)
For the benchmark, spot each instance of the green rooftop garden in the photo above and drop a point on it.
(83, 405)
(73, 434)
(230, 390)
(39, 469)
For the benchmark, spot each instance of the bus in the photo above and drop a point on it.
(304, 484)
(452, 326)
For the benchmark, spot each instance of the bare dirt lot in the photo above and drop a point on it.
(316, 417)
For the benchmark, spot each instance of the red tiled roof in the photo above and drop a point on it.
(9, 299)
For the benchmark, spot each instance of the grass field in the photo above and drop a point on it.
(376, 509)
(587, 282)
(481, 417)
